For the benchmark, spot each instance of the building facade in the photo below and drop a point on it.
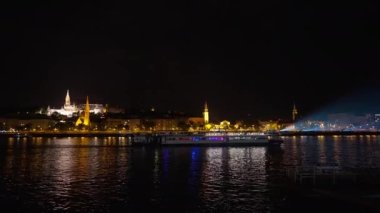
(70, 110)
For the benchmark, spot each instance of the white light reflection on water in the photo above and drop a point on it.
(102, 173)
(62, 173)
(237, 175)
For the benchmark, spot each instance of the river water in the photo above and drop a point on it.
(108, 175)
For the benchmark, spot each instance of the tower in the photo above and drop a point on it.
(67, 99)
(205, 114)
(294, 112)
(86, 119)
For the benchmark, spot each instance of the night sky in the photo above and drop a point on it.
(244, 57)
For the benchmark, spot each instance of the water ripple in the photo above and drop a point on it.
(97, 175)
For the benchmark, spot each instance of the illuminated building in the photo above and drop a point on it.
(94, 108)
(67, 99)
(205, 114)
(29, 124)
(69, 109)
(225, 124)
(195, 122)
(85, 117)
(269, 126)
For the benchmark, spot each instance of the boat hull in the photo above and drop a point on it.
(201, 140)
(218, 144)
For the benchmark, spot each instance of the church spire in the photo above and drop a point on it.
(86, 120)
(67, 99)
(205, 114)
(294, 112)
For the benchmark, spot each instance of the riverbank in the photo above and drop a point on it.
(126, 133)
(328, 133)
(69, 134)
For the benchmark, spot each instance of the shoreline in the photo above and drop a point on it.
(330, 133)
(126, 134)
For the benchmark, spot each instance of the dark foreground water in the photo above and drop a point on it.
(107, 175)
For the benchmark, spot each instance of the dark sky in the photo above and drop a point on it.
(243, 57)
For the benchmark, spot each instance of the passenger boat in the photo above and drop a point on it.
(209, 139)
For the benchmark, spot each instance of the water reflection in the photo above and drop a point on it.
(345, 151)
(234, 179)
(46, 174)
(60, 173)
